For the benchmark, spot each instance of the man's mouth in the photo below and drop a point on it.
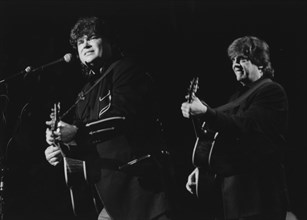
(239, 71)
(88, 53)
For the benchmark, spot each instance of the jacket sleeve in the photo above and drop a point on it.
(263, 112)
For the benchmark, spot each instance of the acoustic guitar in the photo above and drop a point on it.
(202, 151)
(83, 199)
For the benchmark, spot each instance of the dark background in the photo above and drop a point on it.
(176, 40)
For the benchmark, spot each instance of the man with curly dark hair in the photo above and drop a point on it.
(116, 130)
(244, 155)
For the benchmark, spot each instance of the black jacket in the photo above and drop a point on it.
(118, 123)
(248, 151)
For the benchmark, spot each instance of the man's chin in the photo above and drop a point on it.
(239, 78)
(89, 58)
(88, 62)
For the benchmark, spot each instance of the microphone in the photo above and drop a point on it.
(25, 71)
(66, 58)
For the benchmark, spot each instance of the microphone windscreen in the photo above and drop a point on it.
(28, 69)
(68, 57)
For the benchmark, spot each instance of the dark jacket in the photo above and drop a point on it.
(118, 119)
(248, 151)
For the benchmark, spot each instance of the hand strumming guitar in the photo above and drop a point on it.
(53, 155)
(65, 134)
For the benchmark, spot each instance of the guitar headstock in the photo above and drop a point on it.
(193, 88)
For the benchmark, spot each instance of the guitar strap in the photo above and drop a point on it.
(241, 98)
(82, 94)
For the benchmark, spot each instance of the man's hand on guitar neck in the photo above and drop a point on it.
(65, 133)
(195, 107)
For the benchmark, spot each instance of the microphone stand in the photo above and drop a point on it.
(2, 190)
(23, 72)
(3, 168)
(3, 126)
(67, 58)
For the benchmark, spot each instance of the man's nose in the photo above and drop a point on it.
(86, 43)
(236, 61)
(236, 64)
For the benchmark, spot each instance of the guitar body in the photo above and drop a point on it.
(204, 177)
(203, 149)
(205, 189)
(84, 203)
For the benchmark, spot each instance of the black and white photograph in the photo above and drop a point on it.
(153, 110)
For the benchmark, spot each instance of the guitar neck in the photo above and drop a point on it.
(191, 93)
(54, 127)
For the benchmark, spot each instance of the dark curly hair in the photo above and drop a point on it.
(90, 26)
(255, 49)
(94, 26)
